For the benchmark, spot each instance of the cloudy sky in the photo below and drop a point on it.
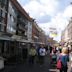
(49, 13)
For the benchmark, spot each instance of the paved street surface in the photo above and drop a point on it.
(25, 67)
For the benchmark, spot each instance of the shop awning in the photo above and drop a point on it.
(37, 42)
(6, 38)
(19, 39)
(22, 40)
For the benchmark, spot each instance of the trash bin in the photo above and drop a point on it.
(1, 63)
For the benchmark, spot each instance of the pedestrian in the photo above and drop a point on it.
(60, 49)
(57, 48)
(38, 54)
(58, 53)
(50, 49)
(70, 58)
(53, 58)
(42, 53)
(32, 54)
(46, 47)
(63, 59)
(54, 50)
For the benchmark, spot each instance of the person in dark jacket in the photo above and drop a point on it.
(50, 49)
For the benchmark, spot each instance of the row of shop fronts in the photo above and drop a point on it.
(15, 49)
(66, 37)
(17, 30)
(11, 50)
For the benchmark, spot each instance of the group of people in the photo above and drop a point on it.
(59, 55)
(38, 53)
(62, 57)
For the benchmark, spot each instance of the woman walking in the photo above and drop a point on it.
(63, 58)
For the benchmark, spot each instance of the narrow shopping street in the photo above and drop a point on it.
(35, 35)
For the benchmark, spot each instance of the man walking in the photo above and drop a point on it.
(42, 53)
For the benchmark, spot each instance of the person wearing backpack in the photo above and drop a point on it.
(63, 59)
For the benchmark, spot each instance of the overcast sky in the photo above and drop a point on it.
(49, 13)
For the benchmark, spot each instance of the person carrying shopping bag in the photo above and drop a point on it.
(62, 61)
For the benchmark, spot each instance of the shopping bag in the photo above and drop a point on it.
(59, 64)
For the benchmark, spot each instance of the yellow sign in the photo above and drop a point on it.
(53, 34)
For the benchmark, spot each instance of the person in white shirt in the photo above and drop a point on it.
(42, 53)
